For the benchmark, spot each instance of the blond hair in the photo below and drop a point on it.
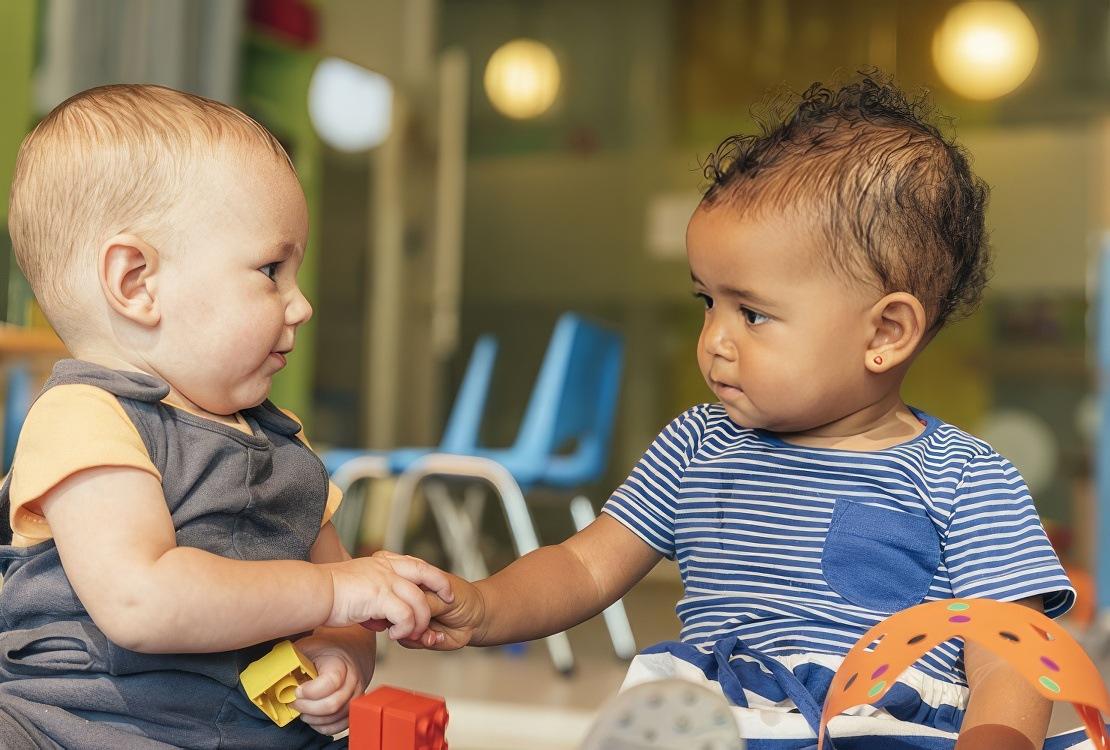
(109, 160)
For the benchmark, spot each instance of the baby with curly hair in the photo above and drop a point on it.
(809, 501)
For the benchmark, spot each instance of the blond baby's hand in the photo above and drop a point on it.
(386, 587)
(323, 702)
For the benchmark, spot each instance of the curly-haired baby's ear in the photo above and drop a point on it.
(897, 327)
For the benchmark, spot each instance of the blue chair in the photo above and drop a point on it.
(347, 466)
(573, 403)
(17, 402)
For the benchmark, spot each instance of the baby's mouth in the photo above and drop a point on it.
(723, 389)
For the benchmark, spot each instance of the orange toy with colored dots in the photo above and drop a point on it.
(1038, 648)
(392, 718)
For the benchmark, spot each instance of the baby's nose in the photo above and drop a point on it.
(299, 311)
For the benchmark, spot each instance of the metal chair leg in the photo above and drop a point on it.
(399, 509)
(470, 518)
(521, 529)
(616, 619)
(459, 536)
(465, 525)
(348, 519)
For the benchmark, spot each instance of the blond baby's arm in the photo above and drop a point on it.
(117, 545)
(362, 642)
(550, 589)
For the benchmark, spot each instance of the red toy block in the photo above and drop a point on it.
(366, 714)
(416, 722)
(390, 718)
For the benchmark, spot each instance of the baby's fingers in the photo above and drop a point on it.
(436, 605)
(420, 573)
(326, 710)
(415, 599)
(329, 725)
(397, 611)
(429, 639)
(313, 690)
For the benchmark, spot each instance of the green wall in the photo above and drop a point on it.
(17, 36)
(275, 91)
(17, 57)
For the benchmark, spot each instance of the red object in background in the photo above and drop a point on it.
(391, 718)
(1084, 611)
(292, 20)
(1059, 536)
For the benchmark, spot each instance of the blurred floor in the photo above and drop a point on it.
(504, 701)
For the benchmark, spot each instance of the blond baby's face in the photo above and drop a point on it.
(228, 296)
(784, 341)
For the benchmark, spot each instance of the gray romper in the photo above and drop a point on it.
(245, 497)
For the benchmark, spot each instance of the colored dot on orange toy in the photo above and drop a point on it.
(1043, 633)
(959, 618)
(878, 688)
(1049, 684)
(880, 671)
(1050, 664)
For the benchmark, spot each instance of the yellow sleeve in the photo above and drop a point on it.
(69, 429)
(335, 495)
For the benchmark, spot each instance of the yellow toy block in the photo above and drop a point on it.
(271, 682)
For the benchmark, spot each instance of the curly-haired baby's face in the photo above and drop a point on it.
(785, 341)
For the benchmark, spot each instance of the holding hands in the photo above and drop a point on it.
(455, 623)
(387, 591)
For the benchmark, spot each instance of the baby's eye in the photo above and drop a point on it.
(270, 269)
(705, 298)
(753, 317)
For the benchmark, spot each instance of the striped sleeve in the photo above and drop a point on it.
(995, 546)
(647, 500)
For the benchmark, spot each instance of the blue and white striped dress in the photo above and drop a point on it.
(789, 554)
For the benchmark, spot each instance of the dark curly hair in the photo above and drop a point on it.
(896, 200)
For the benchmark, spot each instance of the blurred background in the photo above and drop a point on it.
(481, 167)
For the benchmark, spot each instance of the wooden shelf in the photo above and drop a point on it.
(17, 340)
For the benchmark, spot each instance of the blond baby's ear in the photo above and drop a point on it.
(127, 267)
(897, 327)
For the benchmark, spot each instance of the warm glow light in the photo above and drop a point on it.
(350, 107)
(985, 49)
(522, 79)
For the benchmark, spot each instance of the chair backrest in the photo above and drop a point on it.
(574, 400)
(460, 435)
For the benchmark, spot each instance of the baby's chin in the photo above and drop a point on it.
(742, 419)
(237, 400)
(767, 422)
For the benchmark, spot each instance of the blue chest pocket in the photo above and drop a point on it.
(878, 558)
